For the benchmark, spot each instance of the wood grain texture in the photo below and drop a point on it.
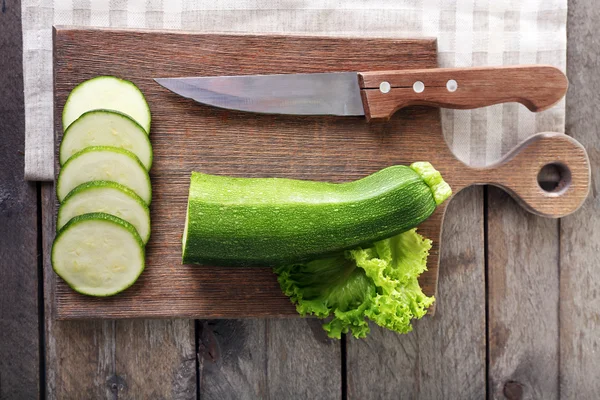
(444, 356)
(579, 235)
(522, 301)
(190, 137)
(156, 359)
(538, 87)
(19, 326)
(80, 361)
(268, 359)
(517, 173)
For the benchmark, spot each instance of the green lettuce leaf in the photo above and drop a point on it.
(377, 283)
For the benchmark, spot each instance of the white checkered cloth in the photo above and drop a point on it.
(469, 32)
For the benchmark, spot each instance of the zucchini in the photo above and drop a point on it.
(107, 197)
(273, 221)
(107, 92)
(103, 163)
(106, 128)
(98, 254)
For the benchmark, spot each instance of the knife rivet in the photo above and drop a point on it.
(385, 87)
(451, 85)
(418, 87)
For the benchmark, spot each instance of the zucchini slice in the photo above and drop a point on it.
(103, 163)
(98, 254)
(107, 92)
(106, 197)
(106, 128)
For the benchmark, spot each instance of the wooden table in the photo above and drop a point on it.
(518, 311)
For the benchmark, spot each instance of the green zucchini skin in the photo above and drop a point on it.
(274, 221)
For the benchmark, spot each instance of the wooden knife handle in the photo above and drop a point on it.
(538, 87)
(548, 174)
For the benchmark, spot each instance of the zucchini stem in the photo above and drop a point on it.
(439, 188)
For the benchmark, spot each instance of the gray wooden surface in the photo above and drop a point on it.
(19, 329)
(579, 253)
(267, 359)
(518, 312)
(522, 300)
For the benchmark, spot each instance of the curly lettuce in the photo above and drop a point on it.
(377, 283)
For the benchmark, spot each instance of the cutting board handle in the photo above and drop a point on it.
(548, 174)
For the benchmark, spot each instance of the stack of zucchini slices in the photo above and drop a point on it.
(103, 187)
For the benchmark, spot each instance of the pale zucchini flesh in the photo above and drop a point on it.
(106, 197)
(101, 163)
(106, 128)
(98, 254)
(107, 92)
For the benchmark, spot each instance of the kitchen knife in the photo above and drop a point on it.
(376, 94)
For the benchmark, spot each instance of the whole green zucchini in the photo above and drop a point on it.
(274, 221)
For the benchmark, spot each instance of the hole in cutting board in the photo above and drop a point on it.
(554, 178)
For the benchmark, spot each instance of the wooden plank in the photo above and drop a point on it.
(80, 355)
(80, 360)
(579, 236)
(19, 327)
(268, 359)
(187, 136)
(232, 359)
(522, 301)
(302, 361)
(444, 357)
(156, 359)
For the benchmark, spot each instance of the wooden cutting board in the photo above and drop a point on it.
(187, 137)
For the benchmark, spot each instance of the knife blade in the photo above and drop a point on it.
(376, 94)
(335, 93)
